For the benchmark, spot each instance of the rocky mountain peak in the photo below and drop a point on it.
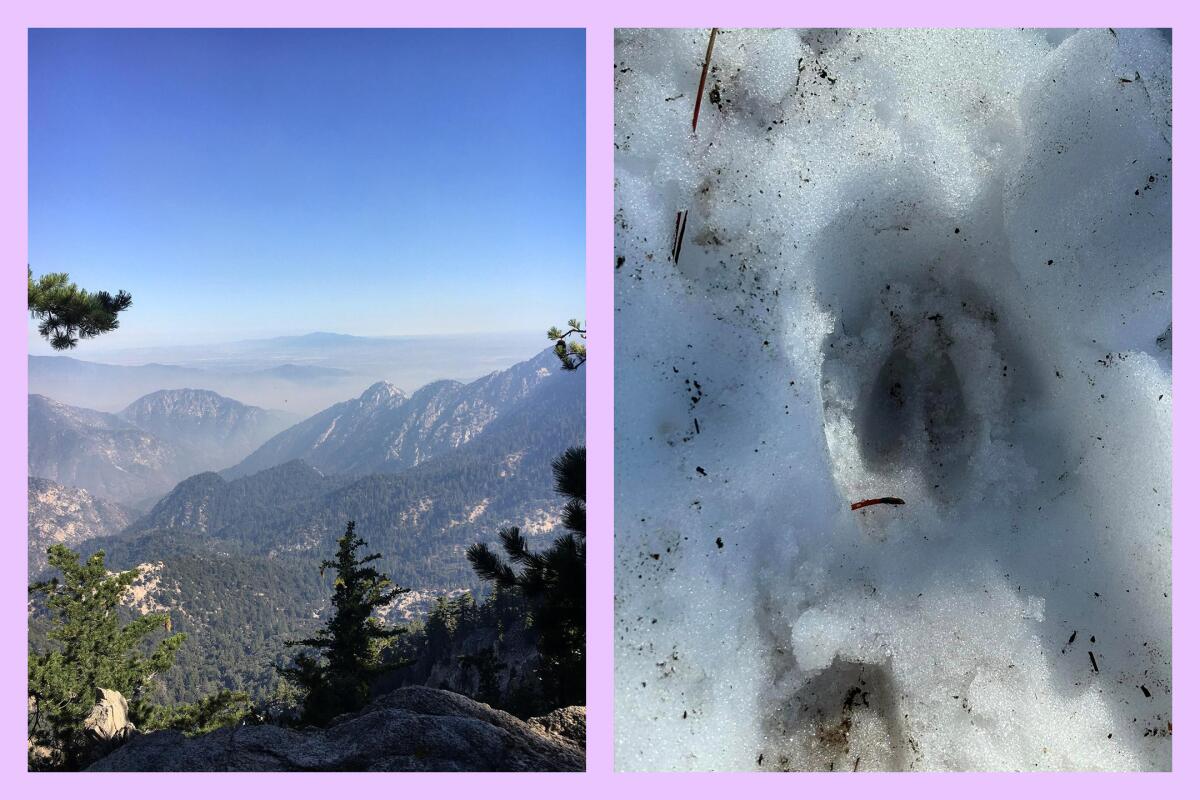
(382, 394)
(194, 402)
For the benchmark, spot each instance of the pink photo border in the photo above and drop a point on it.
(599, 19)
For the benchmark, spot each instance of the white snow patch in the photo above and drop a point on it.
(932, 265)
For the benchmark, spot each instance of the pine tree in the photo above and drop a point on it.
(68, 313)
(572, 353)
(439, 628)
(554, 580)
(223, 709)
(336, 679)
(91, 649)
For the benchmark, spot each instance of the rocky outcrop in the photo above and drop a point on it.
(108, 725)
(570, 723)
(109, 718)
(484, 665)
(410, 729)
(64, 515)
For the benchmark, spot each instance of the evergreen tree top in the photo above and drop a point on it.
(336, 678)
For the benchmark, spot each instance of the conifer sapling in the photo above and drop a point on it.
(336, 678)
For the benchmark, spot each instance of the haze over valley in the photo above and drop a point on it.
(297, 374)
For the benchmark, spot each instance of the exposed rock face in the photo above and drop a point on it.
(108, 725)
(384, 430)
(63, 515)
(109, 718)
(570, 723)
(498, 670)
(410, 729)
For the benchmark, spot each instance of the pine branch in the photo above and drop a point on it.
(489, 567)
(572, 354)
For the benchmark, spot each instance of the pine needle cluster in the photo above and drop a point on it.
(571, 352)
(68, 313)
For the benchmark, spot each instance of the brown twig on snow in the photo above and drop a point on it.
(890, 501)
(712, 39)
(681, 216)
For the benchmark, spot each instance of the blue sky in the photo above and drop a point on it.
(267, 182)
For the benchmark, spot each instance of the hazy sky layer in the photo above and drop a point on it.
(267, 182)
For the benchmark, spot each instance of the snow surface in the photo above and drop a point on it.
(933, 265)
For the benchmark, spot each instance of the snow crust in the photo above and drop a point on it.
(932, 265)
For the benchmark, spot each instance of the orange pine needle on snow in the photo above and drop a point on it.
(890, 501)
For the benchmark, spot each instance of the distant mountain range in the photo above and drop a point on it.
(114, 386)
(384, 430)
(301, 374)
(498, 476)
(147, 448)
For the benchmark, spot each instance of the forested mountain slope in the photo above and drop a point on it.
(237, 560)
